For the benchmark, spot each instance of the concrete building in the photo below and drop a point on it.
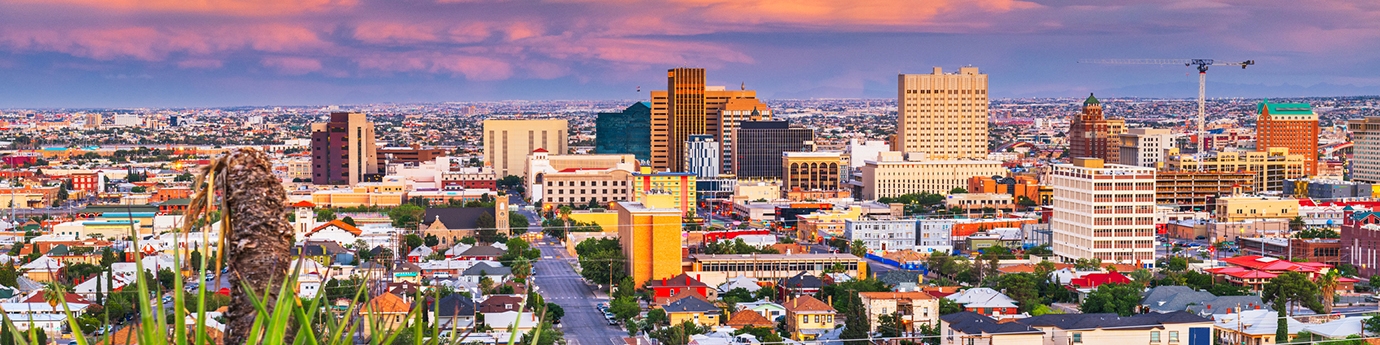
(628, 131)
(934, 235)
(607, 178)
(892, 175)
(1015, 187)
(717, 269)
(650, 233)
(1091, 135)
(735, 112)
(980, 202)
(943, 115)
(1365, 140)
(507, 142)
(881, 235)
(759, 145)
(1271, 167)
(690, 107)
(1361, 242)
(813, 171)
(1328, 190)
(1242, 208)
(1289, 125)
(702, 156)
(1231, 231)
(916, 308)
(1103, 211)
(343, 149)
(858, 152)
(1145, 147)
(1192, 190)
(679, 187)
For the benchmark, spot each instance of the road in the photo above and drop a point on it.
(583, 323)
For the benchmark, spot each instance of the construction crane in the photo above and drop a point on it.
(1201, 64)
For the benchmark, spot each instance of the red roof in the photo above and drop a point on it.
(1252, 274)
(339, 224)
(539, 150)
(303, 203)
(1096, 279)
(682, 280)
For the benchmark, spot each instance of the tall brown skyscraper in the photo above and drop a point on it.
(1091, 135)
(942, 115)
(1291, 125)
(343, 150)
(686, 108)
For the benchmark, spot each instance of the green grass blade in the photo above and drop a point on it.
(282, 308)
(147, 326)
(71, 320)
(349, 314)
(179, 306)
(9, 325)
(256, 330)
(305, 334)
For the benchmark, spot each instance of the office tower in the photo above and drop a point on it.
(758, 146)
(1271, 168)
(687, 107)
(702, 156)
(809, 171)
(942, 115)
(861, 152)
(734, 112)
(507, 142)
(1103, 212)
(1365, 140)
(893, 174)
(649, 232)
(1145, 147)
(1091, 135)
(627, 131)
(1291, 125)
(343, 150)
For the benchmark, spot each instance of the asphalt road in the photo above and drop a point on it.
(558, 283)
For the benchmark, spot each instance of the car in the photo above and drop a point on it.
(608, 315)
(613, 322)
(1200, 238)
(210, 276)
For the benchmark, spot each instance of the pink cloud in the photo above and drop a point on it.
(199, 64)
(292, 65)
(234, 7)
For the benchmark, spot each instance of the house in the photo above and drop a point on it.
(969, 328)
(42, 269)
(501, 312)
(495, 272)
(337, 231)
(447, 269)
(384, 312)
(419, 254)
(915, 308)
(1172, 298)
(1089, 282)
(481, 252)
(985, 301)
(1107, 328)
(370, 270)
(748, 318)
(321, 251)
(456, 249)
(102, 284)
(740, 282)
(807, 318)
(1253, 327)
(801, 284)
(664, 289)
(455, 311)
(407, 272)
(1254, 271)
(769, 310)
(690, 308)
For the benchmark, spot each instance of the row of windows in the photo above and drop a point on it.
(582, 183)
(775, 266)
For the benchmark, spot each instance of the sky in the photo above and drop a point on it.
(206, 53)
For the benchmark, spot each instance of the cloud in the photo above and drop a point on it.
(292, 65)
(200, 64)
(234, 7)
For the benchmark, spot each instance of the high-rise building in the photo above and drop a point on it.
(1195, 190)
(343, 150)
(1145, 147)
(758, 146)
(734, 112)
(649, 231)
(813, 171)
(942, 115)
(627, 131)
(1092, 136)
(1290, 125)
(894, 174)
(1365, 140)
(1103, 212)
(702, 156)
(507, 142)
(690, 107)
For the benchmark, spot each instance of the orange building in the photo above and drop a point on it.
(1291, 125)
(971, 226)
(650, 233)
(1017, 187)
(169, 193)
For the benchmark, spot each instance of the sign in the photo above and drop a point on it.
(404, 274)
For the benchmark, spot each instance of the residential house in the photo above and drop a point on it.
(384, 312)
(498, 274)
(748, 318)
(1254, 271)
(985, 301)
(455, 311)
(481, 252)
(801, 284)
(769, 310)
(337, 231)
(505, 312)
(969, 328)
(1180, 327)
(1172, 298)
(102, 284)
(42, 269)
(664, 289)
(690, 308)
(1253, 327)
(807, 318)
(419, 254)
(740, 282)
(456, 249)
(915, 308)
(1089, 282)
(407, 272)
(450, 224)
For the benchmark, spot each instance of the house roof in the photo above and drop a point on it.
(303, 203)
(807, 303)
(455, 304)
(342, 225)
(690, 305)
(896, 277)
(486, 268)
(386, 303)
(801, 281)
(679, 281)
(500, 304)
(887, 295)
(1093, 280)
(744, 318)
(319, 248)
(687, 293)
(68, 297)
(456, 218)
(1285, 108)
(1111, 320)
(740, 282)
(982, 298)
(974, 323)
(483, 250)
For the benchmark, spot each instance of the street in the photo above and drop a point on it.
(558, 283)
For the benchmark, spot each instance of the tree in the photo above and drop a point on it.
(1021, 287)
(763, 334)
(430, 240)
(9, 275)
(624, 308)
(858, 248)
(678, 334)
(1121, 299)
(735, 296)
(1327, 286)
(1297, 224)
(1026, 202)
(108, 257)
(958, 190)
(856, 324)
(486, 227)
(517, 222)
(1043, 310)
(657, 317)
(348, 220)
(413, 241)
(889, 325)
(1292, 288)
(1372, 325)
(325, 214)
(1087, 264)
(406, 215)
(554, 313)
(1142, 276)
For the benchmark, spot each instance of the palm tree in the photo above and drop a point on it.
(1327, 283)
(52, 293)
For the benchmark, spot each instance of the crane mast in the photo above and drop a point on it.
(1202, 66)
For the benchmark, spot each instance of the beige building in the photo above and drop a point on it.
(580, 179)
(942, 114)
(891, 175)
(1241, 208)
(688, 107)
(976, 202)
(916, 308)
(1145, 147)
(1272, 167)
(1365, 137)
(734, 112)
(813, 170)
(507, 142)
(1102, 211)
(746, 191)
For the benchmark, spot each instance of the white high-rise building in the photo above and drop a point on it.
(1103, 211)
(1365, 136)
(702, 156)
(1145, 147)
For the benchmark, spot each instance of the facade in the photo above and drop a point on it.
(507, 142)
(1271, 167)
(1145, 147)
(413, 154)
(916, 308)
(759, 146)
(934, 235)
(858, 152)
(1243, 208)
(605, 179)
(980, 202)
(343, 150)
(735, 112)
(650, 233)
(942, 115)
(1361, 242)
(679, 187)
(1103, 211)
(717, 269)
(891, 175)
(1016, 187)
(628, 131)
(690, 107)
(702, 156)
(1290, 125)
(1192, 190)
(807, 318)
(881, 235)
(1365, 140)
(1090, 135)
(813, 171)
(1329, 189)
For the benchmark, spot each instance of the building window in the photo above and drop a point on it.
(1077, 337)
(1154, 336)
(1173, 336)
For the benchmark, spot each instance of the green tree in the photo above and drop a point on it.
(657, 318)
(858, 248)
(1142, 276)
(406, 215)
(517, 222)
(9, 275)
(624, 308)
(325, 214)
(763, 334)
(856, 324)
(1121, 299)
(678, 334)
(1297, 224)
(348, 220)
(1327, 286)
(736, 295)
(1022, 287)
(1292, 289)
(1043, 310)
(413, 241)
(889, 325)
(431, 240)
(958, 190)
(554, 313)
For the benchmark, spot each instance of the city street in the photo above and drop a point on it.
(558, 283)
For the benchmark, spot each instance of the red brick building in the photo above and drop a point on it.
(1360, 244)
(1094, 136)
(1291, 125)
(87, 182)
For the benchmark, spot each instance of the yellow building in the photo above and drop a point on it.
(892, 174)
(813, 170)
(942, 114)
(680, 186)
(823, 225)
(754, 191)
(349, 198)
(808, 317)
(1272, 167)
(1241, 208)
(693, 309)
(507, 142)
(386, 312)
(650, 234)
(607, 220)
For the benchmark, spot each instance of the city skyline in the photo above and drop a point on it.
(79, 53)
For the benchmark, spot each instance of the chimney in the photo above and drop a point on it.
(663, 281)
(831, 300)
(697, 276)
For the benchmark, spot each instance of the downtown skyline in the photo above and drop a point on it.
(81, 53)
